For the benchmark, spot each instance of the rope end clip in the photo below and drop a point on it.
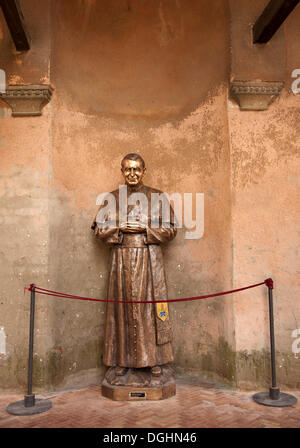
(269, 283)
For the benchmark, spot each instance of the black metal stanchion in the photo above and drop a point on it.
(30, 405)
(274, 397)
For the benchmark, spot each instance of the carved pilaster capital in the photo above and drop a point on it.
(252, 95)
(27, 101)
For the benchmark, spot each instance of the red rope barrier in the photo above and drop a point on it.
(268, 282)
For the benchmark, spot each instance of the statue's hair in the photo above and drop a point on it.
(133, 156)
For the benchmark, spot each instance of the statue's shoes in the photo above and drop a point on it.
(120, 371)
(156, 370)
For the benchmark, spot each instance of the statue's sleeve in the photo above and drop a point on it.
(165, 232)
(106, 229)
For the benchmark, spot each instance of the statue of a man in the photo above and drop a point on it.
(137, 335)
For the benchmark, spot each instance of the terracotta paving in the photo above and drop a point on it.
(194, 406)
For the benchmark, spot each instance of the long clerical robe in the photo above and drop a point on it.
(135, 335)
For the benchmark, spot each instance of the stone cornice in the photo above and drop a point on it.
(26, 101)
(252, 95)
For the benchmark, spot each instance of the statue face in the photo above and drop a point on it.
(133, 171)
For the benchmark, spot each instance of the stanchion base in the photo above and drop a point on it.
(282, 400)
(18, 408)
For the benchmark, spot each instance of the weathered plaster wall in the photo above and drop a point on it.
(149, 77)
(128, 76)
(148, 83)
(265, 205)
(25, 170)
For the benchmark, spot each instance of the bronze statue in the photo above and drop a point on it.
(138, 336)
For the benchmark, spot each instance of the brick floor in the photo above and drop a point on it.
(194, 406)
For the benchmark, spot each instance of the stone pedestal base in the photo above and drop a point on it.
(123, 393)
(139, 384)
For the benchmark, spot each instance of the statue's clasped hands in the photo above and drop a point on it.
(135, 224)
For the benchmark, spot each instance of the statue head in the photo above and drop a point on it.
(133, 169)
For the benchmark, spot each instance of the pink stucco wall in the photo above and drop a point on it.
(153, 78)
